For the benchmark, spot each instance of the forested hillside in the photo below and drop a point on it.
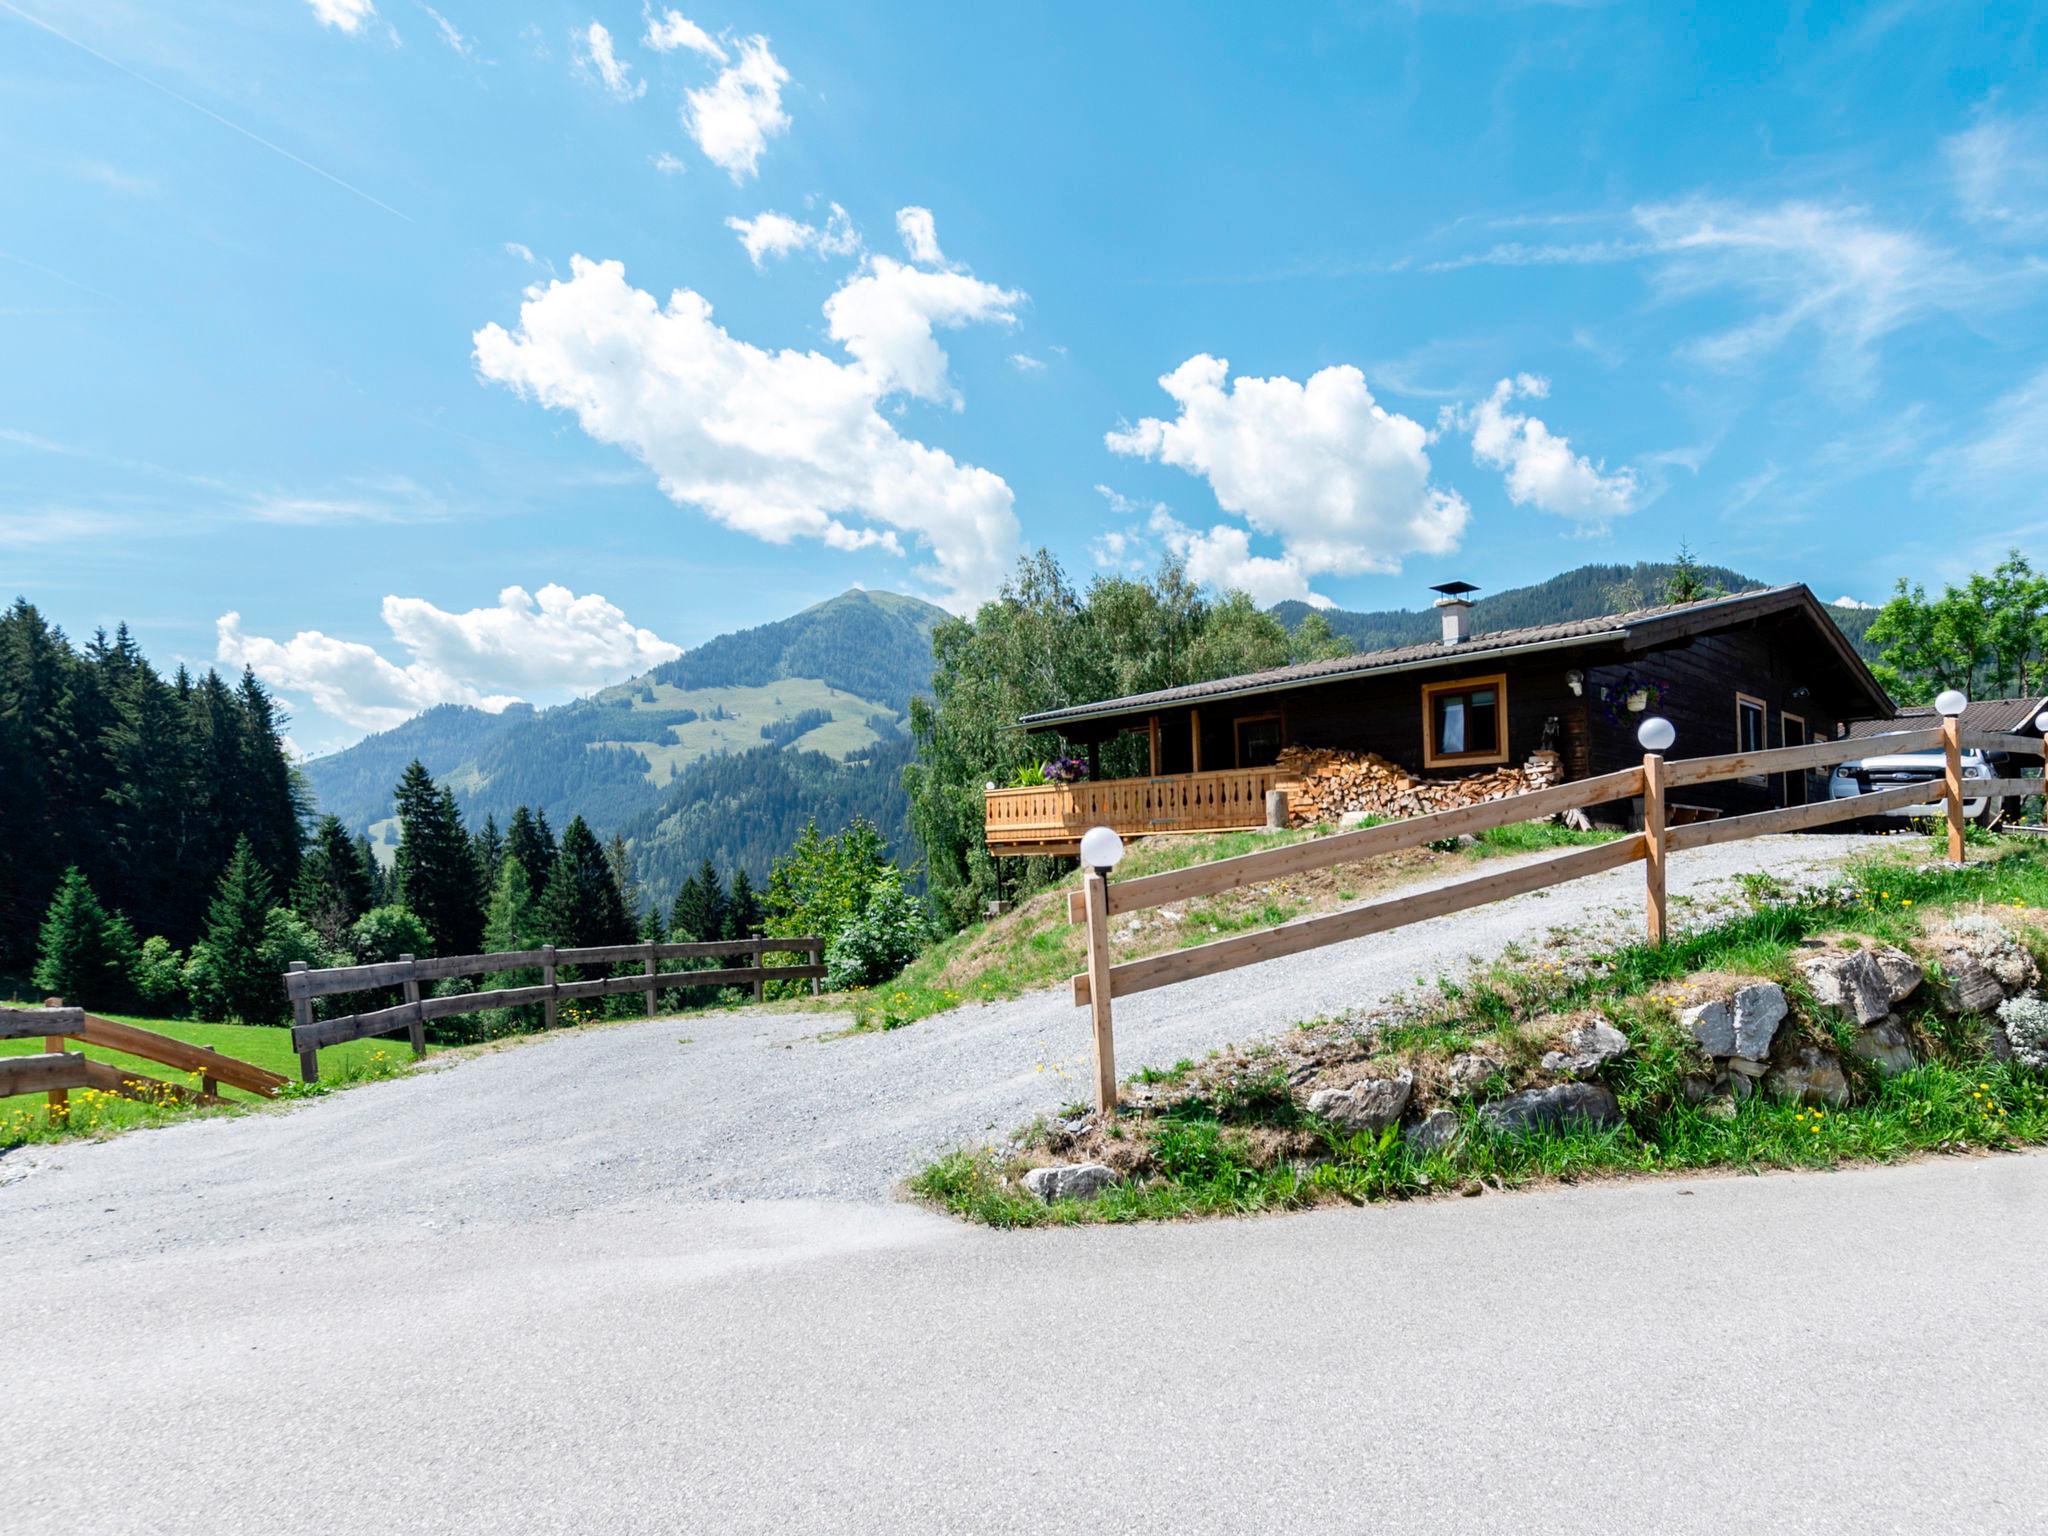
(834, 681)
(1583, 593)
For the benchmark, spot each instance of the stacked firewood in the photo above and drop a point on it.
(1324, 784)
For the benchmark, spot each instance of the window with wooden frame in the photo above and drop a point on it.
(1752, 731)
(1465, 722)
(1259, 739)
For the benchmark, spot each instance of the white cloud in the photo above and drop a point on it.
(2000, 170)
(349, 16)
(886, 316)
(1223, 558)
(733, 118)
(1342, 482)
(596, 55)
(2006, 459)
(1852, 602)
(777, 234)
(450, 34)
(780, 445)
(1541, 469)
(672, 30)
(1024, 362)
(667, 164)
(550, 642)
(920, 234)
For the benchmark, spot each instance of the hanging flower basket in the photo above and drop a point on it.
(1066, 770)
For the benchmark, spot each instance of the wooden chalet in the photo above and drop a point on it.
(1563, 701)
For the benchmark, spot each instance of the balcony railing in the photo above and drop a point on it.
(1050, 818)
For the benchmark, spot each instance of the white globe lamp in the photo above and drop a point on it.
(1656, 734)
(2041, 722)
(1101, 850)
(1951, 702)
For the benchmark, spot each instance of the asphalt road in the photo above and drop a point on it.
(615, 1281)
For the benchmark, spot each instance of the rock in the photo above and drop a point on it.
(1587, 1049)
(1589, 1103)
(1759, 1009)
(1967, 985)
(1434, 1131)
(1372, 1105)
(1720, 1109)
(1885, 1047)
(1469, 1073)
(1812, 1076)
(1696, 1089)
(1740, 1088)
(1995, 948)
(1901, 972)
(1849, 979)
(1712, 1025)
(1069, 1181)
(1352, 819)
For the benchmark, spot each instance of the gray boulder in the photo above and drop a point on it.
(1589, 1103)
(1759, 1009)
(1069, 1181)
(1902, 973)
(1469, 1072)
(1996, 948)
(1587, 1049)
(1811, 1076)
(1886, 1047)
(1967, 985)
(1372, 1105)
(1849, 979)
(1712, 1026)
(1434, 1131)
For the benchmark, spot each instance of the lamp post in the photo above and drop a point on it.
(1656, 735)
(1950, 704)
(1101, 851)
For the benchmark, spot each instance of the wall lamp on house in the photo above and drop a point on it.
(1576, 681)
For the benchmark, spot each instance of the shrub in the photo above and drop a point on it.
(384, 933)
(882, 940)
(87, 954)
(2026, 1026)
(160, 978)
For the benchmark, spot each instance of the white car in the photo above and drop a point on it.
(1867, 775)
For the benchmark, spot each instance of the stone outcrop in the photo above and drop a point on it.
(1587, 1048)
(1468, 1073)
(1560, 1104)
(1069, 1181)
(1811, 1076)
(1886, 1047)
(1371, 1105)
(1435, 1130)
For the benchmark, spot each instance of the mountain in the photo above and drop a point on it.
(1583, 593)
(803, 703)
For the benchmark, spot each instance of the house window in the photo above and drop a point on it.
(1465, 722)
(1259, 739)
(1751, 733)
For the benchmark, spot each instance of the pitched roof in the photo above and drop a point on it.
(2014, 715)
(1637, 629)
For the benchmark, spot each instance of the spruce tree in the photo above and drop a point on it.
(620, 858)
(333, 888)
(528, 840)
(88, 955)
(235, 923)
(743, 908)
(513, 921)
(436, 868)
(581, 907)
(700, 906)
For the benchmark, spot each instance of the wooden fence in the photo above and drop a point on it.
(1099, 899)
(1050, 818)
(302, 985)
(57, 1070)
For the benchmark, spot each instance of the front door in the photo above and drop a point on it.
(1794, 731)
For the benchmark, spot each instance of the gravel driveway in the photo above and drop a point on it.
(614, 1282)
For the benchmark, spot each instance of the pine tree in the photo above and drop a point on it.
(487, 846)
(333, 888)
(620, 858)
(529, 841)
(436, 868)
(581, 907)
(700, 907)
(378, 876)
(88, 955)
(235, 924)
(513, 922)
(743, 908)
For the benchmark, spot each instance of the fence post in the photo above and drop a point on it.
(302, 1013)
(647, 968)
(415, 1027)
(1096, 890)
(1952, 782)
(759, 956)
(1653, 843)
(60, 1098)
(547, 979)
(817, 948)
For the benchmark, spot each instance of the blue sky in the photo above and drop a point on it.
(329, 323)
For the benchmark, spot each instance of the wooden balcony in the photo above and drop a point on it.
(1050, 818)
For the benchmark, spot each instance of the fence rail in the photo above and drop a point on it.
(56, 1071)
(311, 1036)
(1048, 818)
(1098, 898)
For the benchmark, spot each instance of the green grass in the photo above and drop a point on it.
(24, 1117)
(1203, 1158)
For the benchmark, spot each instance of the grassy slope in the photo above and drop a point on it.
(23, 1118)
(750, 708)
(1035, 946)
(1205, 1150)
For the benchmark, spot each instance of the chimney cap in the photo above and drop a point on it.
(1455, 588)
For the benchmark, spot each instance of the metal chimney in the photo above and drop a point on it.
(1456, 607)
